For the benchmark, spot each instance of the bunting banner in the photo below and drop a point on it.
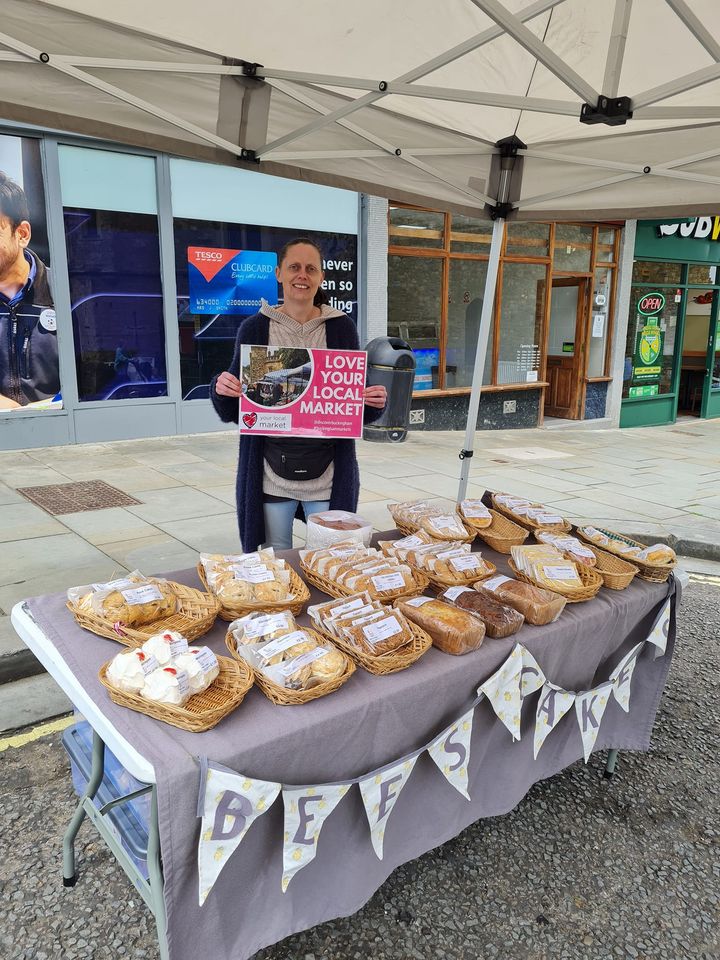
(379, 794)
(589, 708)
(230, 805)
(658, 636)
(552, 706)
(306, 810)
(451, 752)
(622, 675)
(230, 802)
(503, 691)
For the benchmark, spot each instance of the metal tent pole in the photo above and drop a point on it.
(480, 352)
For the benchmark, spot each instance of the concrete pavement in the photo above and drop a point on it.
(655, 483)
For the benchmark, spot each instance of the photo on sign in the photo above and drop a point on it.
(275, 376)
(29, 371)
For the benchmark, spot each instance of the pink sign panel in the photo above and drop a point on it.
(290, 391)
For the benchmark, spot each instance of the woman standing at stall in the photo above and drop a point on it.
(278, 476)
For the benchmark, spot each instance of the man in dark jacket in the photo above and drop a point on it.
(28, 338)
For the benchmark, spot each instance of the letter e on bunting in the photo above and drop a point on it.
(590, 708)
(503, 691)
(306, 809)
(451, 752)
(380, 792)
(622, 675)
(229, 803)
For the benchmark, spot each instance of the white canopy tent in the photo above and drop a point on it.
(613, 105)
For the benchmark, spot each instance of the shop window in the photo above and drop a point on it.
(650, 345)
(524, 289)
(605, 249)
(469, 235)
(702, 274)
(117, 306)
(527, 239)
(416, 228)
(465, 301)
(599, 322)
(213, 303)
(573, 246)
(414, 311)
(716, 359)
(647, 271)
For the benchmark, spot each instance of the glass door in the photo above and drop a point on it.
(711, 389)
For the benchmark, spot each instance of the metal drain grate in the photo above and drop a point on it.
(79, 497)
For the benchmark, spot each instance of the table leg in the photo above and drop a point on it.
(156, 877)
(96, 775)
(610, 765)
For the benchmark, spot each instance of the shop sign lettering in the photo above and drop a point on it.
(701, 228)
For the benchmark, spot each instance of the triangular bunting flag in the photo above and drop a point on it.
(451, 752)
(531, 676)
(552, 706)
(503, 691)
(622, 675)
(589, 708)
(658, 636)
(380, 792)
(306, 810)
(230, 803)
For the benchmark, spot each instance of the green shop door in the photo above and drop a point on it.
(711, 389)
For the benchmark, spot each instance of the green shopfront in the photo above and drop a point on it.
(672, 352)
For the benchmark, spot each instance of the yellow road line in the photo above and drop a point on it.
(705, 578)
(22, 739)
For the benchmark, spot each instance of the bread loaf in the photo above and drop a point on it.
(538, 606)
(500, 620)
(452, 630)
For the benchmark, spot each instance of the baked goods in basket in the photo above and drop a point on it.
(127, 671)
(131, 601)
(570, 547)
(442, 561)
(500, 620)
(446, 526)
(547, 567)
(378, 632)
(169, 685)
(350, 569)
(201, 666)
(453, 631)
(538, 606)
(441, 521)
(474, 512)
(528, 514)
(165, 646)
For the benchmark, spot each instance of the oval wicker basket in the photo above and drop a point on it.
(617, 573)
(281, 695)
(407, 529)
(565, 526)
(195, 615)
(503, 534)
(337, 590)
(652, 572)
(390, 662)
(201, 712)
(231, 611)
(590, 580)
(435, 579)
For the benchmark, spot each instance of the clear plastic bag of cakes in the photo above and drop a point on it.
(218, 563)
(445, 526)
(127, 671)
(133, 600)
(263, 583)
(570, 546)
(261, 628)
(201, 666)
(475, 512)
(378, 632)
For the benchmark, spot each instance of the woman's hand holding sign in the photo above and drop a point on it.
(227, 385)
(375, 396)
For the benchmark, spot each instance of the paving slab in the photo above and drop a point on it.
(156, 554)
(217, 534)
(108, 526)
(31, 700)
(26, 521)
(28, 559)
(178, 503)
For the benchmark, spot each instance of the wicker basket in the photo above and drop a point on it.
(390, 662)
(564, 526)
(407, 529)
(591, 582)
(652, 572)
(337, 590)
(281, 695)
(503, 534)
(435, 579)
(201, 712)
(195, 615)
(617, 573)
(475, 523)
(231, 611)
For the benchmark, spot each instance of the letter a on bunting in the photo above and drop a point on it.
(503, 691)
(552, 706)
(306, 809)
(380, 792)
(451, 752)
(229, 803)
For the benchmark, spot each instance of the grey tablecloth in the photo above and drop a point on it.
(369, 722)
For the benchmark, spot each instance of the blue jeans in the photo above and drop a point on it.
(279, 520)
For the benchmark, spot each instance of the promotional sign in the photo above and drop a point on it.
(230, 281)
(647, 359)
(302, 393)
(425, 360)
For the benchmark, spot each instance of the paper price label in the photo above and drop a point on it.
(267, 624)
(112, 585)
(240, 558)
(343, 552)
(369, 616)
(177, 645)
(444, 522)
(292, 666)
(272, 649)
(142, 595)
(455, 552)
(148, 664)
(519, 508)
(548, 518)
(207, 660)
(559, 572)
(353, 614)
(494, 582)
(454, 592)
(412, 541)
(418, 601)
(375, 632)
(475, 511)
(346, 608)
(259, 574)
(466, 563)
(388, 581)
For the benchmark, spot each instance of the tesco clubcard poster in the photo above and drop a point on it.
(230, 281)
(288, 391)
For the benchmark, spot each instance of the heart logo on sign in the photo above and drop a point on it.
(250, 419)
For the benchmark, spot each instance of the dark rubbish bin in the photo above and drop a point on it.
(391, 363)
